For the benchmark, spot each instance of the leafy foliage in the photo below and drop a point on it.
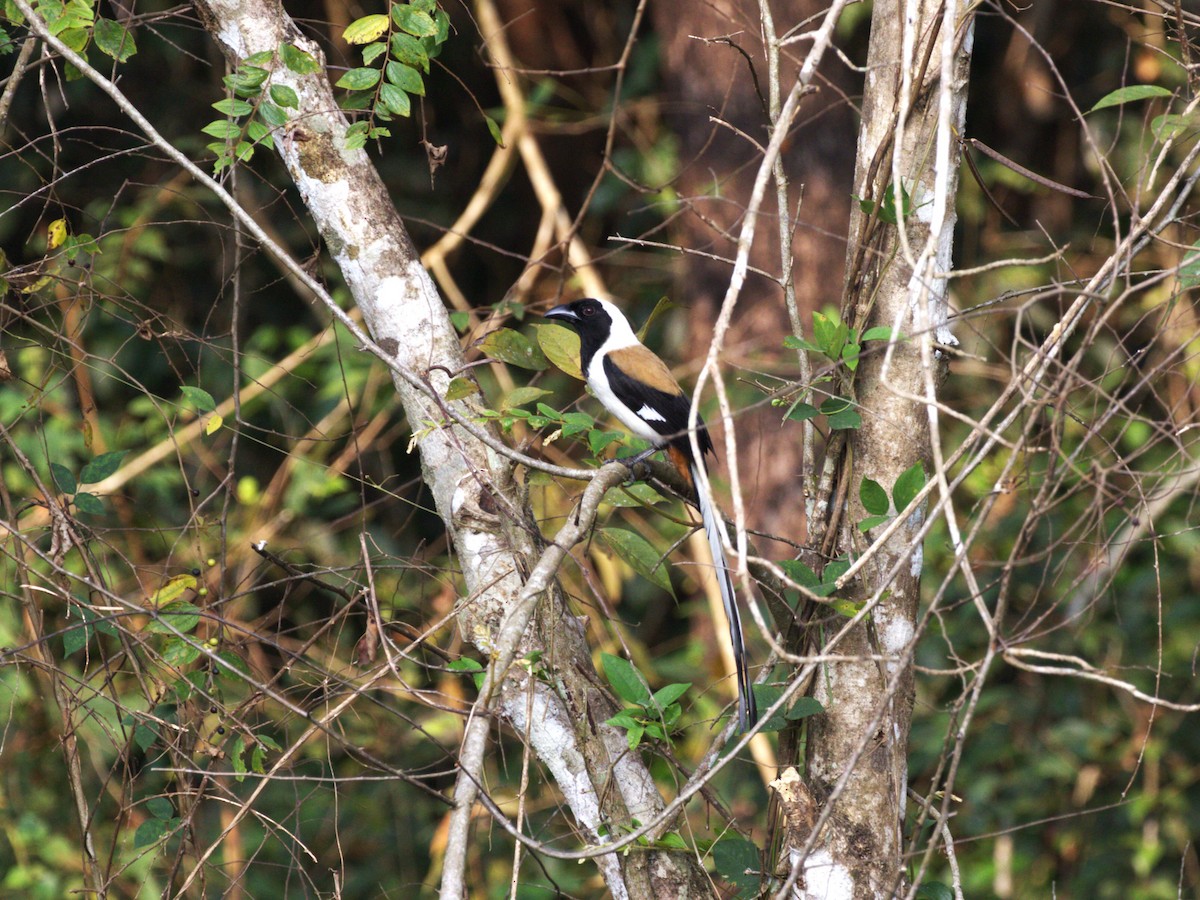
(396, 51)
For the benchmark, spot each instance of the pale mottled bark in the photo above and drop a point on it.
(913, 103)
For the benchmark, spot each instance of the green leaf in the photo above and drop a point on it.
(802, 412)
(271, 114)
(101, 467)
(1168, 126)
(297, 60)
(835, 569)
(634, 735)
(114, 39)
(259, 59)
(1129, 95)
(663, 305)
(889, 212)
(178, 652)
(626, 681)
(201, 399)
(233, 107)
(232, 666)
(513, 348)
(908, 485)
(269, 742)
(356, 136)
(824, 333)
(442, 20)
(372, 52)
(160, 807)
(665, 696)
(765, 696)
(791, 342)
(359, 79)
(412, 20)
(179, 616)
(1189, 270)
(461, 387)
(672, 840)
(494, 130)
(406, 78)
(237, 752)
(144, 736)
(800, 573)
(733, 858)
(880, 333)
(172, 590)
(637, 552)
(805, 707)
(189, 684)
(598, 440)
(63, 477)
(469, 666)
(850, 354)
(624, 719)
(257, 131)
(874, 498)
(841, 413)
(223, 129)
(933, 890)
(247, 80)
(524, 395)
(76, 638)
(102, 623)
(149, 832)
(257, 756)
(870, 522)
(395, 99)
(87, 502)
(366, 29)
(576, 423)
(408, 50)
(561, 347)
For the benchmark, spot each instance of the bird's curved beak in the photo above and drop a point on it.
(561, 312)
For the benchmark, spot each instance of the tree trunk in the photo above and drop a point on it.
(912, 109)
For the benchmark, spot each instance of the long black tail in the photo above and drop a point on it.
(714, 527)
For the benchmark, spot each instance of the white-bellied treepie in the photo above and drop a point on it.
(638, 388)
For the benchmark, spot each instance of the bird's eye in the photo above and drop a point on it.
(588, 309)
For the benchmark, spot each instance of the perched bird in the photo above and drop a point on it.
(638, 388)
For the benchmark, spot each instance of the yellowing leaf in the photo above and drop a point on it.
(461, 387)
(513, 348)
(172, 590)
(56, 233)
(660, 307)
(213, 425)
(366, 29)
(523, 395)
(561, 346)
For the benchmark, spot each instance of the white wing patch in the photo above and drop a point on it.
(650, 414)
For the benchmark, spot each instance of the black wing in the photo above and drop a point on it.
(672, 408)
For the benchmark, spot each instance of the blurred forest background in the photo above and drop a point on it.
(186, 400)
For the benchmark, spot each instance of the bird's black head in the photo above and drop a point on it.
(591, 319)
